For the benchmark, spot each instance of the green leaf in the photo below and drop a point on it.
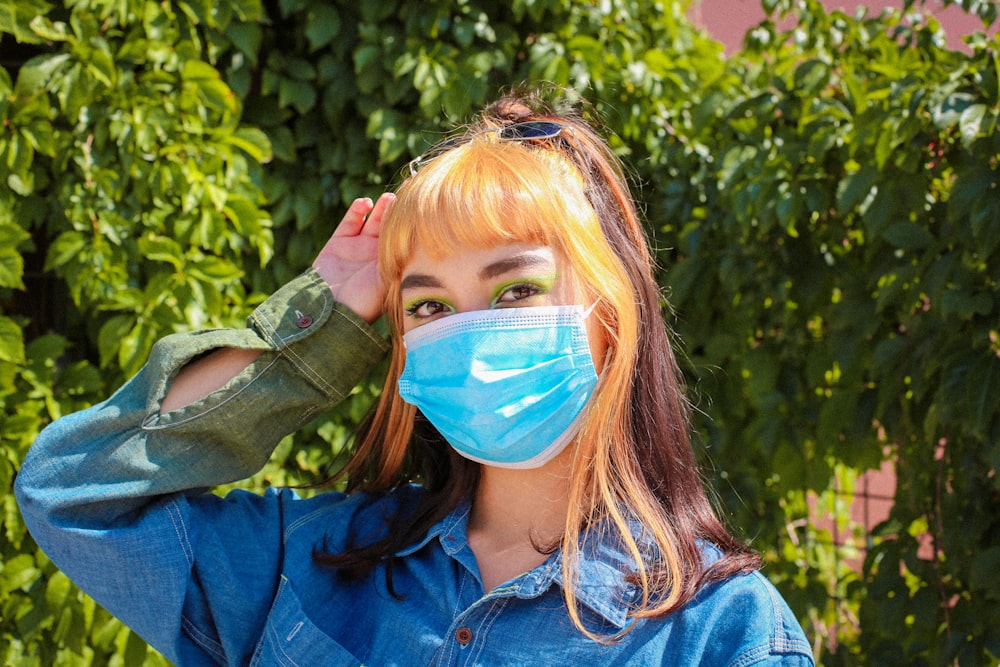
(162, 249)
(983, 574)
(11, 341)
(283, 143)
(215, 269)
(835, 417)
(81, 379)
(322, 26)
(857, 190)
(135, 649)
(110, 336)
(197, 70)
(47, 348)
(811, 76)
(986, 231)
(101, 66)
(300, 95)
(983, 394)
(18, 572)
(949, 112)
(215, 93)
(889, 355)
(971, 124)
(908, 236)
(57, 590)
(246, 218)
(248, 10)
(35, 74)
(19, 154)
(64, 625)
(247, 37)
(22, 184)
(48, 30)
(965, 304)
(390, 128)
(457, 100)
(375, 11)
(253, 142)
(65, 249)
(11, 268)
(368, 67)
(40, 136)
(135, 347)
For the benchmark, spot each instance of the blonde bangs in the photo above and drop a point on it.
(483, 194)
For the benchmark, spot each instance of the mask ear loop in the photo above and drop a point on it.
(608, 352)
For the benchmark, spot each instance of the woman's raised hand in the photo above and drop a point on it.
(349, 260)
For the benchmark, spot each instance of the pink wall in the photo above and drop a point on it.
(729, 20)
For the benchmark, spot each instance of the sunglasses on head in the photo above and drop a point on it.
(528, 131)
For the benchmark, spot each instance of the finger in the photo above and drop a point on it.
(374, 223)
(354, 220)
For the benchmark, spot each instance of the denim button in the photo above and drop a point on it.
(463, 636)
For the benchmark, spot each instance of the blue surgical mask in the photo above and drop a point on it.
(506, 387)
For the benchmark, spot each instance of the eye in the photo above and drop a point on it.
(424, 308)
(518, 292)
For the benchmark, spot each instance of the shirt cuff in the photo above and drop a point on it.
(302, 321)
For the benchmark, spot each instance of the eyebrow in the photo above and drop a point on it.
(414, 280)
(525, 260)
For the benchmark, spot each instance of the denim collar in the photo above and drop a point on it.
(601, 585)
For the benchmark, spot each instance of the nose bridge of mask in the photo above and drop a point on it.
(497, 318)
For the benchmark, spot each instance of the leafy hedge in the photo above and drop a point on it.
(825, 202)
(835, 217)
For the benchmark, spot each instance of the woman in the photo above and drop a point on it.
(559, 518)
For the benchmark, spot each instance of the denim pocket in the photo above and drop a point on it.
(291, 640)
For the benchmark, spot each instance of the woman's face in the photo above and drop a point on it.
(512, 275)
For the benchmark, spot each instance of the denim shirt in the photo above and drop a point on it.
(115, 495)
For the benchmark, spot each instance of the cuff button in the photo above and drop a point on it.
(302, 320)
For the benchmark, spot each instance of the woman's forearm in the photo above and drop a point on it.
(205, 375)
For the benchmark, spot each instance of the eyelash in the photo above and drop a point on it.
(413, 308)
(533, 289)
